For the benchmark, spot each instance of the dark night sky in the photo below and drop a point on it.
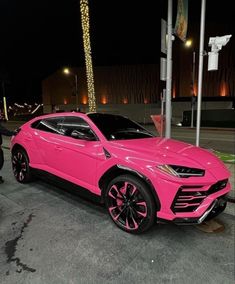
(40, 36)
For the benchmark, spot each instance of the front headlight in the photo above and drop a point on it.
(180, 171)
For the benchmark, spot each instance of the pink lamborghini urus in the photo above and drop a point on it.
(139, 177)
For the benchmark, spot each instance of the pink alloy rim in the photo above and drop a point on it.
(126, 205)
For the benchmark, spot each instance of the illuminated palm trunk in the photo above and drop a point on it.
(87, 50)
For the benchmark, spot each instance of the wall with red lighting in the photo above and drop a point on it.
(133, 84)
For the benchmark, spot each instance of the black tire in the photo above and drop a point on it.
(130, 204)
(20, 166)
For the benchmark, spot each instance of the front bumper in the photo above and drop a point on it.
(217, 207)
(192, 203)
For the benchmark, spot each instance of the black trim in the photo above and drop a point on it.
(219, 208)
(66, 185)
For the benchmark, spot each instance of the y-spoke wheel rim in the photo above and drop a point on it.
(19, 164)
(126, 205)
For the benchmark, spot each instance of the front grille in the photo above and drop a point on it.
(189, 198)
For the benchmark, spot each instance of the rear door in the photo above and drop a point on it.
(46, 134)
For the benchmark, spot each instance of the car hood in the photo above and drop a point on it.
(169, 151)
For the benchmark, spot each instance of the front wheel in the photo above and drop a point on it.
(130, 204)
(20, 166)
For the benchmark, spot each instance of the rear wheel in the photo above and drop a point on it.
(130, 204)
(20, 166)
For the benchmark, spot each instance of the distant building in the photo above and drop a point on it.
(113, 85)
(132, 90)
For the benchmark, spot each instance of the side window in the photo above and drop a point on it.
(35, 124)
(52, 125)
(77, 127)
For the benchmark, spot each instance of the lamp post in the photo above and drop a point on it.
(188, 44)
(67, 71)
(193, 101)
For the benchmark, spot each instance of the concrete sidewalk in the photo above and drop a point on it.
(50, 236)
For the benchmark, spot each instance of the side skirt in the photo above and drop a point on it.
(66, 185)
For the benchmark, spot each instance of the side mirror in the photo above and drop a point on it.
(83, 136)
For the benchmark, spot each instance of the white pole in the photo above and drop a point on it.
(192, 118)
(169, 70)
(200, 70)
(4, 101)
(163, 99)
(5, 107)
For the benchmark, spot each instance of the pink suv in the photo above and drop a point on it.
(140, 178)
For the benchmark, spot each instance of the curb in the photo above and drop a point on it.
(207, 128)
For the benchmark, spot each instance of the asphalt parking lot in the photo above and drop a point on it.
(48, 235)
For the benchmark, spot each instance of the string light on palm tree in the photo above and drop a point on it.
(84, 8)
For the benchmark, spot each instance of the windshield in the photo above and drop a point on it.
(116, 127)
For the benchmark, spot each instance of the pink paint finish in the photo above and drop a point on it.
(84, 162)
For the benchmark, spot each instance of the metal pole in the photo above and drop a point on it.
(200, 70)
(192, 118)
(163, 100)
(193, 82)
(76, 90)
(194, 57)
(169, 70)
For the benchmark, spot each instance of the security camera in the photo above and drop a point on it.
(216, 44)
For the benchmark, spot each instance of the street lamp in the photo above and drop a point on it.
(188, 43)
(67, 71)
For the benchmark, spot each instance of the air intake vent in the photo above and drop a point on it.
(189, 198)
(217, 186)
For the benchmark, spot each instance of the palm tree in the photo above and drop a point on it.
(84, 8)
